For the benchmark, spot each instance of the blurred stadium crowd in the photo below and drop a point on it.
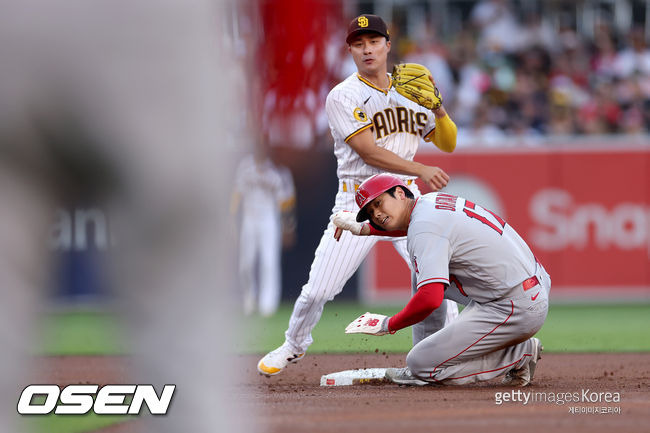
(505, 75)
(511, 72)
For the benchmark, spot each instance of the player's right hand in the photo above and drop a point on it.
(369, 323)
(434, 177)
(346, 220)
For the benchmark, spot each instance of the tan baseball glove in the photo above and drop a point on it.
(415, 82)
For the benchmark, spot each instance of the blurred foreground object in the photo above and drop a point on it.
(118, 102)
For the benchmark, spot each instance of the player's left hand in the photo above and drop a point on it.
(414, 82)
(369, 323)
(434, 177)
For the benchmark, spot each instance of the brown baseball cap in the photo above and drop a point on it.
(367, 23)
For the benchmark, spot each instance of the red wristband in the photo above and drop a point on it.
(392, 233)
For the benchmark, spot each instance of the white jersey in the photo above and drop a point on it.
(263, 187)
(451, 239)
(397, 123)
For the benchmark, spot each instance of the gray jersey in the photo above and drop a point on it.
(486, 259)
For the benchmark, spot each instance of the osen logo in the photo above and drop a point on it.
(107, 400)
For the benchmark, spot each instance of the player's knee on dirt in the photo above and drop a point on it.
(418, 365)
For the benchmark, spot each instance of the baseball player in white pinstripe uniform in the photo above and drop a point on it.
(269, 198)
(375, 130)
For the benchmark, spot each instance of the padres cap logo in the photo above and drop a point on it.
(366, 23)
(360, 115)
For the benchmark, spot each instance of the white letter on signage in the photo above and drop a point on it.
(148, 393)
(548, 210)
(25, 405)
(76, 399)
(110, 399)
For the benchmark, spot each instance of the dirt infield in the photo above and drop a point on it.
(294, 400)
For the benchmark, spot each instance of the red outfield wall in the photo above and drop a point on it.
(585, 212)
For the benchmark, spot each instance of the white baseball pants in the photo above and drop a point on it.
(260, 244)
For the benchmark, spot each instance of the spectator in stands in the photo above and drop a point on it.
(604, 54)
(472, 80)
(499, 30)
(635, 57)
(561, 120)
(537, 31)
(429, 52)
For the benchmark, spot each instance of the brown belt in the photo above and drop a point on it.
(356, 185)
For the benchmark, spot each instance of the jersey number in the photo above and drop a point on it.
(474, 211)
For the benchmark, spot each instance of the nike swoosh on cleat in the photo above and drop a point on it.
(532, 298)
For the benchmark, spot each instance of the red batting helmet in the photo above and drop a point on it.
(372, 188)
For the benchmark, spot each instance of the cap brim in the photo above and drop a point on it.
(358, 32)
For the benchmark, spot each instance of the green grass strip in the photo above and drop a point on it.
(72, 423)
(81, 333)
(568, 328)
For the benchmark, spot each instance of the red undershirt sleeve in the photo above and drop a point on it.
(428, 298)
(392, 233)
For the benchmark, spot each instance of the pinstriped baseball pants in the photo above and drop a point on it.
(334, 263)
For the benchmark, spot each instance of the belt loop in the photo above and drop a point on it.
(356, 187)
(345, 186)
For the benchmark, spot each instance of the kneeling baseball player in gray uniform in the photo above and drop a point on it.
(466, 253)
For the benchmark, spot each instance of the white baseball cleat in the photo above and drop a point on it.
(274, 362)
(403, 376)
(524, 375)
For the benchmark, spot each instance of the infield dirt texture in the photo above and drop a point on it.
(295, 402)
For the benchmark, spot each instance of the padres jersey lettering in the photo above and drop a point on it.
(398, 124)
(402, 119)
(398, 119)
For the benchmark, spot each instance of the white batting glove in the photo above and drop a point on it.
(346, 220)
(369, 323)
